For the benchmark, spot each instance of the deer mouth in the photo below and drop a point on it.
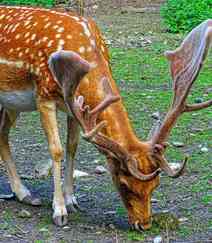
(142, 226)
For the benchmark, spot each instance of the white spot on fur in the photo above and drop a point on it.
(18, 64)
(55, 27)
(28, 27)
(82, 49)
(37, 43)
(93, 64)
(57, 36)
(60, 45)
(33, 37)
(17, 36)
(27, 22)
(86, 30)
(30, 17)
(69, 37)
(76, 18)
(5, 27)
(2, 16)
(37, 71)
(50, 43)
(40, 53)
(89, 49)
(47, 25)
(43, 64)
(15, 27)
(45, 38)
(27, 34)
(60, 30)
(27, 65)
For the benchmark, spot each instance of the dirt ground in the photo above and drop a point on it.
(103, 219)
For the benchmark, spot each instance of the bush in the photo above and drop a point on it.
(183, 15)
(45, 3)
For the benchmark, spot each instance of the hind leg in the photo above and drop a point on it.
(22, 193)
(71, 147)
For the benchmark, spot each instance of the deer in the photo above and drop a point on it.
(55, 60)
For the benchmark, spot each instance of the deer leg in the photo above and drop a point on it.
(49, 121)
(71, 148)
(22, 193)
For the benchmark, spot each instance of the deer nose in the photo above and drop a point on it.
(142, 226)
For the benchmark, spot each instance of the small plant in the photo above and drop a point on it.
(183, 15)
(45, 3)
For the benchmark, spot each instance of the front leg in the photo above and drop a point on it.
(49, 121)
(71, 147)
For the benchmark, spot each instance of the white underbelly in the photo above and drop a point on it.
(18, 100)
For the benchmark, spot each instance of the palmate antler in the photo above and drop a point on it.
(186, 62)
(92, 132)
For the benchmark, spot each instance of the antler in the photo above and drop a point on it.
(186, 62)
(92, 132)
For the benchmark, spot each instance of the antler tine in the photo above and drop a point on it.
(108, 100)
(164, 165)
(196, 107)
(140, 176)
(90, 135)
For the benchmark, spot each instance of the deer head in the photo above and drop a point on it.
(136, 171)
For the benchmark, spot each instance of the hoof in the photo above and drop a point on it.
(30, 200)
(72, 205)
(74, 208)
(60, 220)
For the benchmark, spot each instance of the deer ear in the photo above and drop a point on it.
(68, 68)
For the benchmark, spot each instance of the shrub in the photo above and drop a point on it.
(45, 3)
(183, 15)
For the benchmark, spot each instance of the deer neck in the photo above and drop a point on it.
(118, 125)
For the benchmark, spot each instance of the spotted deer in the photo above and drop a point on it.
(44, 56)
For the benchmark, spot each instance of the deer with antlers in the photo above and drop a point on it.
(44, 57)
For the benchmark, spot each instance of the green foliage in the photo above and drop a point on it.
(183, 15)
(45, 3)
